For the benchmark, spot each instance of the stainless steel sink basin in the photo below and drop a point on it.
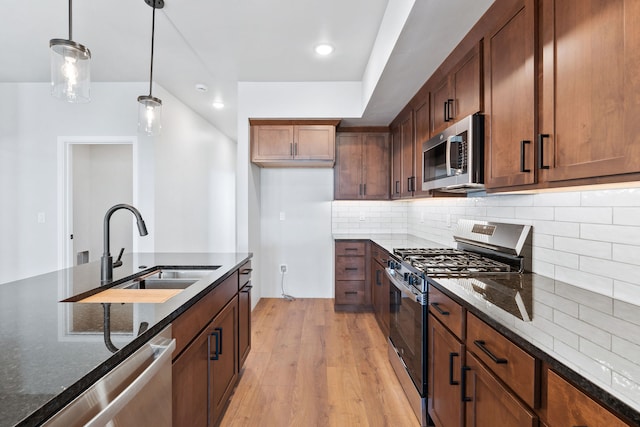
(167, 279)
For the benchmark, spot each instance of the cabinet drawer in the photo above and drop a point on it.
(350, 268)
(350, 248)
(449, 312)
(187, 326)
(350, 292)
(568, 406)
(517, 368)
(244, 274)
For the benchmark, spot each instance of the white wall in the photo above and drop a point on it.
(295, 224)
(31, 123)
(590, 239)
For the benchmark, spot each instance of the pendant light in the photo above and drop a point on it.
(70, 68)
(150, 108)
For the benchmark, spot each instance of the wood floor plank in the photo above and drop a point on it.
(310, 366)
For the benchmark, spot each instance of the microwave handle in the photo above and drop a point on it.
(448, 154)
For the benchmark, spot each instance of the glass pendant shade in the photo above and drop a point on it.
(149, 115)
(70, 68)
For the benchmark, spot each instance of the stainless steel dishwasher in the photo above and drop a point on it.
(136, 393)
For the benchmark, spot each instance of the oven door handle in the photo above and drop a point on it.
(404, 289)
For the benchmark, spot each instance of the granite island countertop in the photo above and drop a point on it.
(51, 351)
(590, 338)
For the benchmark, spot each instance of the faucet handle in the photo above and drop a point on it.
(118, 262)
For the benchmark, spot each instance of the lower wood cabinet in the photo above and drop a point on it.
(380, 288)
(352, 292)
(223, 359)
(568, 406)
(213, 335)
(488, 402)
(445, 353)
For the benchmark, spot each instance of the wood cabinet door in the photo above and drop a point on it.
(396, 163)
(445, 363)
(223, 359)
(422, 124)
(489, 402)
(244, 323)
(407, 184)
(591, 59)
(509, 65)
(466, 86)
(375, 166)
(272, 142)
(314, 142)
(348, 168)
(441, 106)
(190, 384)
(568, 406)
(380, 289)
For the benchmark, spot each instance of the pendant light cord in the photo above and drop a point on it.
(70, 21)
(153, 30)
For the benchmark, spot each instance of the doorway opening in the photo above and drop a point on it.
(95, 174)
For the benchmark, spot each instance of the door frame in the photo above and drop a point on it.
(65, 209)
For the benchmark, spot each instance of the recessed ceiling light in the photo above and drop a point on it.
(201, 87)
(218, 104)
(324, 49)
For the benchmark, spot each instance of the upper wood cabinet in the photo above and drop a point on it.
(282, 143)
(459, 93)
(362, 166)
(403, 179)
(509, 71)
(422, 123)
(590, 52)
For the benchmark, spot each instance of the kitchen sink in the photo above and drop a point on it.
(167, 279)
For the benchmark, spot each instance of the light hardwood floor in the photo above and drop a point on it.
(310, 366)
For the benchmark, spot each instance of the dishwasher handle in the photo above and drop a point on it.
(116, 405)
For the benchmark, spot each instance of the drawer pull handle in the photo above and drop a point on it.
(351, 268)
(438, 309)
(451, 380)
(214, 354)
(481, 345)
(463, 381)
(351, 292)
(246, 271)
(350, 249)
(246, 289)
(522, 160)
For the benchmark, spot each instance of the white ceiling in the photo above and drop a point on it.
(221, 42)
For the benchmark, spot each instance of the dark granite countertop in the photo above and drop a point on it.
(51, 351)
(590, 338)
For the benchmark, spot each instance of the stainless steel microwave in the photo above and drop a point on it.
(453, 160)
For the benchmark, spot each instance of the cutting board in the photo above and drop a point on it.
(133, 295)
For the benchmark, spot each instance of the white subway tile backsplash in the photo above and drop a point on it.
(610, 233)
(589, 239)
(616, 270)
(626, 216)
(583, 247)
(583, 363)
(580, 328)
(627, 368)
(620, 197)
(592, 282)
(557, 199)
(610, 323)
(584, 214)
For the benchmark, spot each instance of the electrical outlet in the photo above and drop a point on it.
(362, 218)
(447, 219)
(283, 268)
(421, 217)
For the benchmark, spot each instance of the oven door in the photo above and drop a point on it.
(408, 329)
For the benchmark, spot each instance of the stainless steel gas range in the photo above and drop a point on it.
(485, 251)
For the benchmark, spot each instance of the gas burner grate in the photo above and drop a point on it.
(445, 262)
